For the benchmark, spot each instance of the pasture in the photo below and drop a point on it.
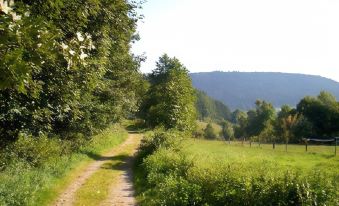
(205, 172)
(318, 158)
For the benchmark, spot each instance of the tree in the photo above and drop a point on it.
(288, 124)
(66, 69)
(170, 100)
(267, 134)
(284, 112)
(209, 132)
(240, 119)
(227, 130)
(322, 112)
(260, 118)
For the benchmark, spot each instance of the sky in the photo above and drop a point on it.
(294, 36)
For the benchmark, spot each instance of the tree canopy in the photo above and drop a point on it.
(323, 112)
(66, 66)
(170, 101)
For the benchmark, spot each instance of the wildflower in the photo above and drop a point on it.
(88, 36)
(64, 46)
(80, 37)
(83, 55)
(15, 16)
(4, 7)
(71, 52)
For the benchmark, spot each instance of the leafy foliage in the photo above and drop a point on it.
(209, 132)
(227, 131)
(66, 70)
(322, 112)
(31, 167)
(170, 99)
(315, 117)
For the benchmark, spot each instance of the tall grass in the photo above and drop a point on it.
(33, 168)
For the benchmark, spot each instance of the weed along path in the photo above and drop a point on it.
(106, 181)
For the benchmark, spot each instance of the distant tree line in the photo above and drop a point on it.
(313, 117)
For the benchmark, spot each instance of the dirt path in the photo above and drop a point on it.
(122, 192)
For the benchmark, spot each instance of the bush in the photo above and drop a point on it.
(160, 138)
(167, 178)
(32, 151)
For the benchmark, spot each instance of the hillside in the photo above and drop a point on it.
(210, 108)
(239, 90)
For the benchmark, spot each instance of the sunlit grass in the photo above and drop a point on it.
(318, 158)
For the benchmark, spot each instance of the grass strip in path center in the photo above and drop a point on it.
(98, 189)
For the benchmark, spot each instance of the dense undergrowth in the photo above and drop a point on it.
(31, 168)
(166, 175)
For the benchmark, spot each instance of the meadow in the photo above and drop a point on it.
(318, 158)
(187, 171)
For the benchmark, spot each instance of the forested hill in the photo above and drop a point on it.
(240, 90)
(210, 108)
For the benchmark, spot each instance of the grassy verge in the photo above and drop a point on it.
(22, 184)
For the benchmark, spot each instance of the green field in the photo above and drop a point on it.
(318, 158)
(204, 172)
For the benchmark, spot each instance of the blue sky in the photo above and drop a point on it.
(295, 36)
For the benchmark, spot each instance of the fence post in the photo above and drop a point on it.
(335, 147)
(306, 145)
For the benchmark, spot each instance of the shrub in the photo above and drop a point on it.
(160, 138)
(33, 151)
(167, 178)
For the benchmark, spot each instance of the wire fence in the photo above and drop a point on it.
(309, 145)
